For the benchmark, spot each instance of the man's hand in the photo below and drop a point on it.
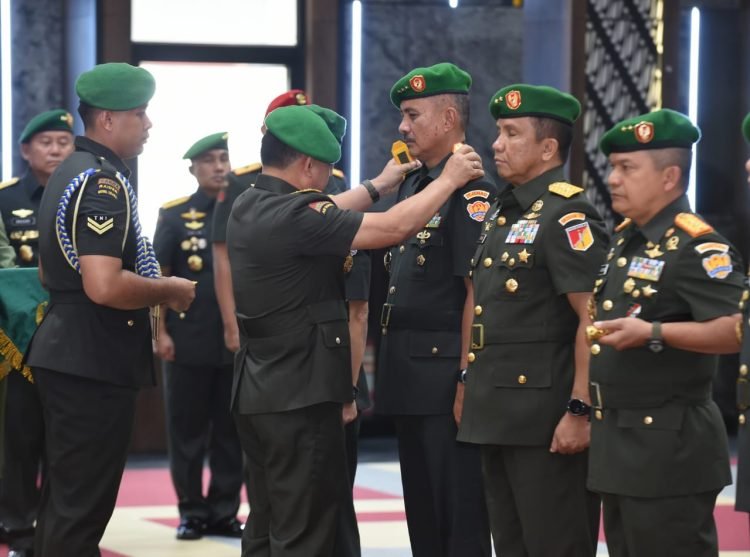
(625, 332)
(464, 166)
(572, 435)
(232, 336)
(349, 412)
(388, 181)
(181, 293)
(458, 403)
(165, 347)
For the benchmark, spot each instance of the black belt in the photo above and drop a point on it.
(397, 317)
(284, 322)
(627, 397)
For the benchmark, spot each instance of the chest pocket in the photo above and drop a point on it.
(514, 269)
(426, 254)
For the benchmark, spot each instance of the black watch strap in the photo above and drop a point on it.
(372, 190)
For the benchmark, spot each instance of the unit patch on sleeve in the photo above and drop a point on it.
(717, 265)
(320, 206)
(100, 223)
(579, 236)
(107, 186)
(478, 209)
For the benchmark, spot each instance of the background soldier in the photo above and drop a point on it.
(533, 270)
(429, 300)
(197, 366)
(45, 142)
(293, 372)
(667, 304)
(93, 349)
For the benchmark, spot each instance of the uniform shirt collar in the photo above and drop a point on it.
(32, 187)
(532, 190)
(200, 200)
(273, 184)
(654, 229)
(84, 143)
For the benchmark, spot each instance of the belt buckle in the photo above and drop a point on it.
(385, 315)
(596, 397)
(477, 345)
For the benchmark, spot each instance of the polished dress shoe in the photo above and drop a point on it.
(190, 529)
(230, 528)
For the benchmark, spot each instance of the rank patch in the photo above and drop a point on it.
(579, 236)
(522, 232)
(106, 186)
(100, 223)
(570, 217)
(320, 206)
(477, 210)
(645, 268)
(476, 193)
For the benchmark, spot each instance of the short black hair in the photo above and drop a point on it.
(545, 128)
(88, 114)
(275, 153)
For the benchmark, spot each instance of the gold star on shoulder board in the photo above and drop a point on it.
(523, 256)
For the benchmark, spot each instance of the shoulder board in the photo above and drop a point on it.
(623, 225)
(310, 190)
(564, 189)
(176, 202)
(338, 173)
(8, 183)
(692, 224)
(247, 169)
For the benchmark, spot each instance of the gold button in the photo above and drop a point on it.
(741, 419)
(598, 415)
(595, 349)
(511, 261)
(741, 305)
(511, 285)
(478, 310)
(648, 420)
(607, 305)
(745, 295)
(392, 290)
(338, 340)
(471, 357)
(182, 315)
(599, 282)
(743, 370)
(434, 350)
(487, 262)
(401, 249)
(384, 331)
(522, 379)
(620, 241)
(501, 220)
(621, 262)
(131, 322)
(636, 293)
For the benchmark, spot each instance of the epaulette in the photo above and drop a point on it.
(247, 169)
(9, 183)
(338, 173)
(563, 189)
(176, 202)
(310, 190)
(623, 225)
(692, 224)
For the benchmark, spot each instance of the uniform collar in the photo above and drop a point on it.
(31, 186)
(654, 229)
(84, 143)
(532, 190)
(273, 184)
(200, 200)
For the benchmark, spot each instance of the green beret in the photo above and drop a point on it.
(440, 79)
(335, 122)
(746, 127)
(306, 131)
(541, 101)
(57, 119)
(115, 86)
(208, 143)
(660, 129)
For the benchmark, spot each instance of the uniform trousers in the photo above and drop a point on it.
(298, 482)
(199, 424)
(347, 537)
(87, 426)
(538, 502)
(23, 449)
(661, 527)
(443, 494)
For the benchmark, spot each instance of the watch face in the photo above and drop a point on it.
(655, 345)
(577, 407)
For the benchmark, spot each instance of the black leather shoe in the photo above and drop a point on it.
(231, 528)
(190, 529)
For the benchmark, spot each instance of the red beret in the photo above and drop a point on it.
(290, 98)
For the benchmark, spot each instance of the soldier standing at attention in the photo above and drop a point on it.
(92, 351)
(197, 366)
(666, 305)
(45, 142)
(293, 373)
(429, 304)
(526, 388)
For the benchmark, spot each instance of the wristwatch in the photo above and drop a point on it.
(577, 407)
(462, 375)
(355, 392)
(655, 342)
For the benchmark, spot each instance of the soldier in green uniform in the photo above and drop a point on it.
(92, 351)
(525, 392)
(293, 371)
(197, 366)
(45, 142)
(742, 493)
(666, 305)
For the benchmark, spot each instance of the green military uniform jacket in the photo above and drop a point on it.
(19, 205)
(656, 432)
(542, 240)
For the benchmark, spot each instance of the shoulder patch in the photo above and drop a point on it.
(692, 224)
(569, 217)
(320, 206)
(564, 189)
(338, 173)
(711, 246)
(247, 169)
(623, 225)
(176, 202)
(108, 186)
(9, 183)
(476, 193)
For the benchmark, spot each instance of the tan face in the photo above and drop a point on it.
(130, 131)
(636, 185)
(46, 150)
(211, 168)
(421, 127)
(519, 156)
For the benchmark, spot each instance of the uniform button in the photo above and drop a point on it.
(401, 249)
(487, 262)
(338, 340)
(648, 420)
(501, 220)
(743, 370)
(636, 293)
(522, 379)
(745, 295)
(607, 305)
(741, 305)
(511, 285)
(621, 262)
(131, 322)
(384, 331)
(471, 357)
(391, 290)
(598, 415)
(595, 349)
(182, 315)
(620, 241)
(478, 310)
(741, 419)
(434, 350)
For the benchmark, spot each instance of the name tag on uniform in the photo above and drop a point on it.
(645, 268)
(522, 232)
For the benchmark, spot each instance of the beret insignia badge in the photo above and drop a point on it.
(644, 132)
(417, 83)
